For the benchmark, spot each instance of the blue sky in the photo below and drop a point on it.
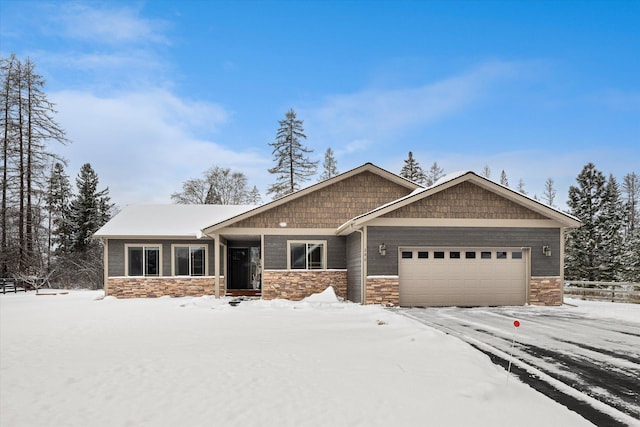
(152, 93)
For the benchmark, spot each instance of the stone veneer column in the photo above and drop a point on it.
(296, 285)
(383, 290)
(546, 291)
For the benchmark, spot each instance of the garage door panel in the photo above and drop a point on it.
(462, 281)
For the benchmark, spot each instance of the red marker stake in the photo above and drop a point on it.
(516, 325)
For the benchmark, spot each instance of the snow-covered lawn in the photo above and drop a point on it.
(79, 360)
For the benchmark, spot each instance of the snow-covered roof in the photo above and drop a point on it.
(167, 220)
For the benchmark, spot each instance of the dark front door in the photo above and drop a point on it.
(239, 268)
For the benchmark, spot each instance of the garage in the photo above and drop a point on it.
(462, 276)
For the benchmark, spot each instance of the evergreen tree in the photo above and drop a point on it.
(521, 186)
(549, 194)
(329, 166)
(254, 197)
(434, 173)
(486, 172)
(610, 225)
(293, 165)
(584, 243)
(503, 178)
(630, 257)
(89, 210)
(58, 204)
(412, 170)
(631, 188)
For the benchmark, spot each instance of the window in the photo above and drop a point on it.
(307, 255)
(407, 254)
(438, 255)
(516, 255)
(143, 260)
(470, 255)
(501, 255)
(189, 260)
(454, 255)
(423, 255)
(485, 255)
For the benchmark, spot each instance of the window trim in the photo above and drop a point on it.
(307, 243)
(143, 246)
(189, 245)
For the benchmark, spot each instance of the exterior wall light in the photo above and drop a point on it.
(382, 249)
(283, 224)
(546, 250)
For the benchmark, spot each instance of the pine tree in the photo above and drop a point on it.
(521, 186)
(549, 194)
(254, 197)
(58, 205)
(412, 170)
(503, 178)
(434, 173)
(584, 243)
(329, 166)
(631, 189)
(89, 210)
(630, 257)
(293, 165)
(486, 172)
(610, 225)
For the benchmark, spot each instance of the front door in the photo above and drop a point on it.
(245, 268)
(239, 277)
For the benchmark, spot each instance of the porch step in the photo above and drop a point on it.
(244, 292)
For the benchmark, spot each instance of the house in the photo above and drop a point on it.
(372, 235)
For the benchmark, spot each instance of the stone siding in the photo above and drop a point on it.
(383, 290)
(545, 291)
(296, 285)
(150, 287)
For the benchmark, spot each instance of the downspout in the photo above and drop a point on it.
(363, 293)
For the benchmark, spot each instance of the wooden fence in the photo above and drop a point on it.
(603, 291)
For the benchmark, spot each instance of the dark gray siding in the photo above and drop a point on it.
(393, 237)
(275, 251)
(354, 267)
(116, 253)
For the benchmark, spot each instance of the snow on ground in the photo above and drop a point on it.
(79, 359)
(604, 309)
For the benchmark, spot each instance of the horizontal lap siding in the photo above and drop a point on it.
(275, 251)
(117, 255)
(394, 237)
(354, 267)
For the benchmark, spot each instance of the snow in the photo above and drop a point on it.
(168, 220)
(608, 310)
(80, 359)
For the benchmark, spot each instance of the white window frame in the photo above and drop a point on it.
(143, 246)
(307, 243)
(195, 245)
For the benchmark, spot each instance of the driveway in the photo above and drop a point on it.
(591, 365)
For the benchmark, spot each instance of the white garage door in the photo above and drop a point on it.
(462, 276)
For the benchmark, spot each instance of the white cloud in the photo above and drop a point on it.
(372, 112)
(144, 145)
(109, 25)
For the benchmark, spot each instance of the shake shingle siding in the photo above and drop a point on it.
(394, 237)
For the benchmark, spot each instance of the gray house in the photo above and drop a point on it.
(372, 235)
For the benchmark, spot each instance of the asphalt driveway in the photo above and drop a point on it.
(591, 365)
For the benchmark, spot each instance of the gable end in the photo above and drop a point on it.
(465, 201)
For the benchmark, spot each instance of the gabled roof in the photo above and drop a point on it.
(367, 167)
(175, 221)
(456, 178)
